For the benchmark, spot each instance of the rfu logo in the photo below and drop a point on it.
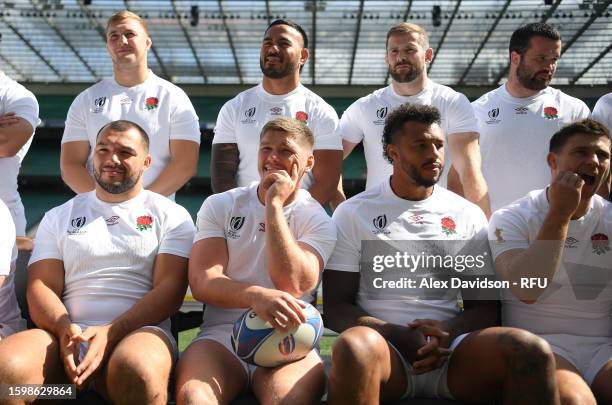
(382, 113)
(99, 104)
(250, 112)
(380, 223)
(77, 223)
(234, 226)
(494, 113)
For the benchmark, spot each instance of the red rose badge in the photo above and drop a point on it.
(144, 222)
(151, 103)
(551, 113)
(301, 116)
(448, 226)
(601, 243)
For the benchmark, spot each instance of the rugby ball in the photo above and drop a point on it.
(257, 342)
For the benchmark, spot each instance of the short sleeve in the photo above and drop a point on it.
(76, 121)
(461, 117)
(320, 234)
(178, 235)
(507, 230)
(184, 124)
(46, 245)
(602, 112)
(325, 129)
(582, 111)
(210, 222)
(226, 124)
(347, 251)
(7, 240)
(349, 127)
(23, 103)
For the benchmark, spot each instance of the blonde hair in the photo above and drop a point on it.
(123, 15)
(291, 126)
(409, 28)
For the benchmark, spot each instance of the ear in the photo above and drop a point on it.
(147, 162)
(551, 159)
(305, 54)
(310, 161)
(149, 43)
(392, 152)
(428, 55)
(515, 58)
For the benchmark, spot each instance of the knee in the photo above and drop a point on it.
(525, 352)
(195, 392)
(138, 376)
(576, 397)
(358, 347)
(13, 367)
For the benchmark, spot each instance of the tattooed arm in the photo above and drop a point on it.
(224, 166)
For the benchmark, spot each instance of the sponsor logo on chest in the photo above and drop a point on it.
(235, 224)
(76, 224)
(380, 223)
(493, 114)
(98, 105)
(381, 114)
(249, 113)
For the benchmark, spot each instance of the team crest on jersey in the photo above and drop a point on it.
(301, 116)
(249, 114)
(381, 114)
(521, 110)
(448, 226)
(235, 225)
(144, 223)
(99, 104)
(76, 225)
(601, 243)
(380, 223)
(493, 114)
(551, 113)
(151, 103)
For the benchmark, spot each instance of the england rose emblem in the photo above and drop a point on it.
(550, 113)
(601, 243)
(144, 223)
(448, 226)
(151, 103)
(301, 116)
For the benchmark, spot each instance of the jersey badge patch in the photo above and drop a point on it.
(144, 223)
(151, 103)
(235, 225)
(301, 116)
(448, 226)
(99, 104)
(114, 220)
(551, 113)
(601, 243)
(76, 224)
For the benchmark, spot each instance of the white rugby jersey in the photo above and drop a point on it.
(514, 139)
(239, 217)
(10, 315)
(364, 121)
(602, 111)
(586, 254)
(242, 118)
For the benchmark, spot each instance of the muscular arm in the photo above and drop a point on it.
(326, 173)
(224, 166)
(73, 166)
(45, 287)
(465, 151)
(14, 133)
(164, 299)
(294, 267)
(342, 312)
(183, 165)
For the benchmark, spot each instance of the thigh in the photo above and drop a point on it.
(206, 365)
(572, 386)
(31, 357)
(601, 386)
(300, 382)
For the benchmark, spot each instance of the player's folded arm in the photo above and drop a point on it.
(326, 174)
(183, 165)
(73, 166)
(224, 166)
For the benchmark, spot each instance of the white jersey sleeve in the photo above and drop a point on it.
(320, 233)
(184, 124)
(76, 126)
(508, 230)
(602, 112)
(347, 252)
(226, 121)
(325, 129)
(210, 222)
(350, 128)
(461, 117)
(177, 238)
(47, 241)
(7, 240)
(23, 103)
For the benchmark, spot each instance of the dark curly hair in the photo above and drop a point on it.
(424, 114)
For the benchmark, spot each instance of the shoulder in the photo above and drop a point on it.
(566, 99)
(485, 98)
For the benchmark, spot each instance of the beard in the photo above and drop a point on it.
(529, 80)
(276, 72)
(118, 187)
(405, 77)
(412, 172)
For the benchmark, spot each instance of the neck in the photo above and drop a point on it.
(281, 86)
(105, 196)
(409, 190)
(514, 87)
(131, 76)
(410, 89)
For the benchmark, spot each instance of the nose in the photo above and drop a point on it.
(124, 39)
(115, 158)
